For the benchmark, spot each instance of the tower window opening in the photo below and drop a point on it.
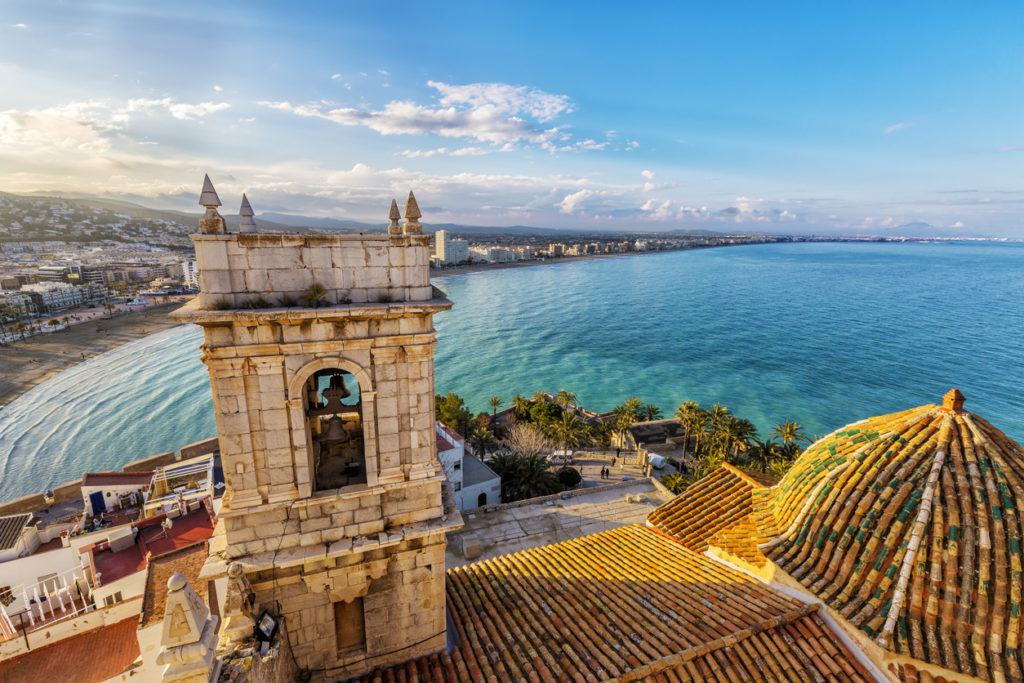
(335, 424)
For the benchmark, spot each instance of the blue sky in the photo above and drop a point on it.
(805, 117)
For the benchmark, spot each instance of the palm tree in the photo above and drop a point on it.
(19, 328)
(629, 411)
(565, 399)
(54, 323)
(66, 320)
(315, 296)
(532, 477)
(521, 407)
(567, 431)
(685, 413)
(108, 307)
(741, 432)
(482, 440)
(495, 403)
(650, 412)
(790, 433)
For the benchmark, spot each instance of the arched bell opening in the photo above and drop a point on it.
(334, 419)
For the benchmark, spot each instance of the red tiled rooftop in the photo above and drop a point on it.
(152, 540)
(449, 433)
(52, 544)
(192, 528)
(87, 658)
(443, 444)
(117, 479)
(113, 566)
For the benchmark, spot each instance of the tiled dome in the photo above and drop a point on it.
(908, 525)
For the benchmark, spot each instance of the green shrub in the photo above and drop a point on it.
(569, 477)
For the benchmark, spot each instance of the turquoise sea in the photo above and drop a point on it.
(824, 334)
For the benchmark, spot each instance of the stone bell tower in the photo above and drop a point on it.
(320, 350)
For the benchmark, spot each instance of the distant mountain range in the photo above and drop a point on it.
(16, 206)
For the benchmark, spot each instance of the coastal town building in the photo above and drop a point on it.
(190, 273)
(71, 567)
(473, 483)
(448, 251)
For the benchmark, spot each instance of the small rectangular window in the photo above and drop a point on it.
(348, 624)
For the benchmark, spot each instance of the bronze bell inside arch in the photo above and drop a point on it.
(335, 432)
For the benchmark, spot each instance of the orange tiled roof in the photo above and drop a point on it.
(627, 604)
(713, 511)
(87, 658)
(908, 524)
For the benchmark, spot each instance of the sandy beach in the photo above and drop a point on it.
(25, 364)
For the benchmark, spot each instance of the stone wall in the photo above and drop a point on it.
(333, 520)
(403, 592)
(194, 450)
(149, 464)
(237, 268)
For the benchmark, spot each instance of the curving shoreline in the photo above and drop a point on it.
(27, 363)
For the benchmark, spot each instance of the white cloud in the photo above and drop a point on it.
(382, 72)
(572, 202)
(75, 126)
(217, 88)
(958, 224)
(495, 113)
(647, 174)
(18, 26)
(335, 77)
(897, 126)
(179, 110)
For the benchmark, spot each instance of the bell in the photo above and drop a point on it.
(335, 431)
(337, 387)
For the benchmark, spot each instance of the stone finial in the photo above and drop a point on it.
(412, 216)
(953, 400)
(189, 637)
(393, 216)
(238, 621)
(247, 224)
(211, 223)
(208, 196)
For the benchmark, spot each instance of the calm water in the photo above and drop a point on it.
(824, 334)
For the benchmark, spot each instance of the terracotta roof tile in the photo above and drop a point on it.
(714, 511)
(87, 658)
(626, 603)
(908, 525)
